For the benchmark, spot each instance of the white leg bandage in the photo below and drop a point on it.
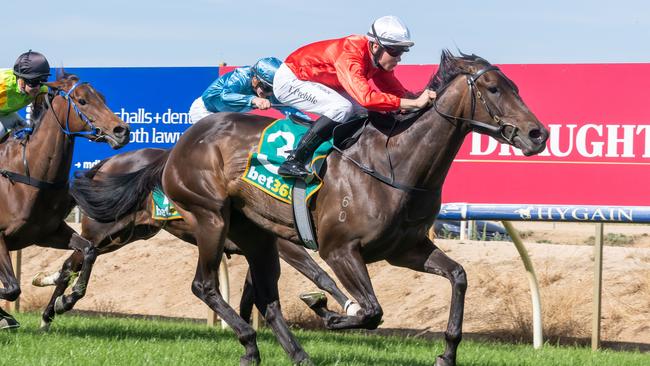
(351, 308)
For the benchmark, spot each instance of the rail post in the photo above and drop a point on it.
(598, 286)
(532, 281)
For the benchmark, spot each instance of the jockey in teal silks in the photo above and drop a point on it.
(241, 90)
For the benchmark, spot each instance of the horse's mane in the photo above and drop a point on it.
(451, 66)
(39, 106)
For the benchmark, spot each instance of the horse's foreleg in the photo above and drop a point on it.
(298, 258)
(426, 257)
(11, 289)
(72, 264)
(350, 269)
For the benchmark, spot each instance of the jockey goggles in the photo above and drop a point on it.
(35, 82)
(264, 86)
(394, 51)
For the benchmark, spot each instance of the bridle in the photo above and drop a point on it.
(502, 127)
(72, 104)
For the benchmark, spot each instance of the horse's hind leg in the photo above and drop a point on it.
(210, 228)
(71, 265)
(262, 255)
(247, 299)
(66, 237)
(426, 257)
(11, 289)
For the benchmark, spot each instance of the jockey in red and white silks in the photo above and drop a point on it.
(332, 78)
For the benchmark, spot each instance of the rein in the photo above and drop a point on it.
(382, 178)
(26, 178)
(499, 130)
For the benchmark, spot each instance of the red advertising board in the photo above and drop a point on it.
(598, 152)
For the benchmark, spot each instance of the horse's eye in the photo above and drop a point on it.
(82, 101)
(493, 89)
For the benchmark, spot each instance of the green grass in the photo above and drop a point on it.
(79, 340)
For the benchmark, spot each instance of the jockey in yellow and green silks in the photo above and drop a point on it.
(19, 87)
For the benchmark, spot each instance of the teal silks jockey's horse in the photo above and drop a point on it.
(34, 175)
(141, 224)
(360, 214)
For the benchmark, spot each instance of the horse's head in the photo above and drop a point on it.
(490, 102)
(80, 110)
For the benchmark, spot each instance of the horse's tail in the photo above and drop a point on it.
(107, 197)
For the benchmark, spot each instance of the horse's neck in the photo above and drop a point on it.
(422, 154)
(49, 151)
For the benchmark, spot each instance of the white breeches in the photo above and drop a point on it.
(317, 98)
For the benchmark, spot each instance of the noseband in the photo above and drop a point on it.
(497, 131)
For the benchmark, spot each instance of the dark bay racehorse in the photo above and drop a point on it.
(34, 198)
(140, 225)
(359, 219)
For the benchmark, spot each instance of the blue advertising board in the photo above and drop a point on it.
(154, 101)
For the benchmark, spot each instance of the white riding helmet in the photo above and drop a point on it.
(390, 31)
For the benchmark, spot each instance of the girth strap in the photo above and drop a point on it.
(15, 177)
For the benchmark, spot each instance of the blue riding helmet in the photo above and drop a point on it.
(265, 69)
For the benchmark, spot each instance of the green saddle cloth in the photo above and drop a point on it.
(276, 142)
(161, 208)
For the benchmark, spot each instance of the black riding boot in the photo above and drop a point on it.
(319, 132)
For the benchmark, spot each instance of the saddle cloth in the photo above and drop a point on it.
(276, 142)
(161, 207)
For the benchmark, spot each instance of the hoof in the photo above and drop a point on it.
(58, 305)
(247, 361)
(315, 300)
(305, 362)
(42, 279)
(442, 361)
(37, 280)
(45, 326)
(7, 322)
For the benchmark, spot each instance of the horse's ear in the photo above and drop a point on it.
(60, 73)
(54, 84)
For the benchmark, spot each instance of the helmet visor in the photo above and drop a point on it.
(394, 51)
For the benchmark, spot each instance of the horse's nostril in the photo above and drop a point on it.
(535, 134)
(120, 131)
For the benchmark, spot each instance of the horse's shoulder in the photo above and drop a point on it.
(9, 149)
